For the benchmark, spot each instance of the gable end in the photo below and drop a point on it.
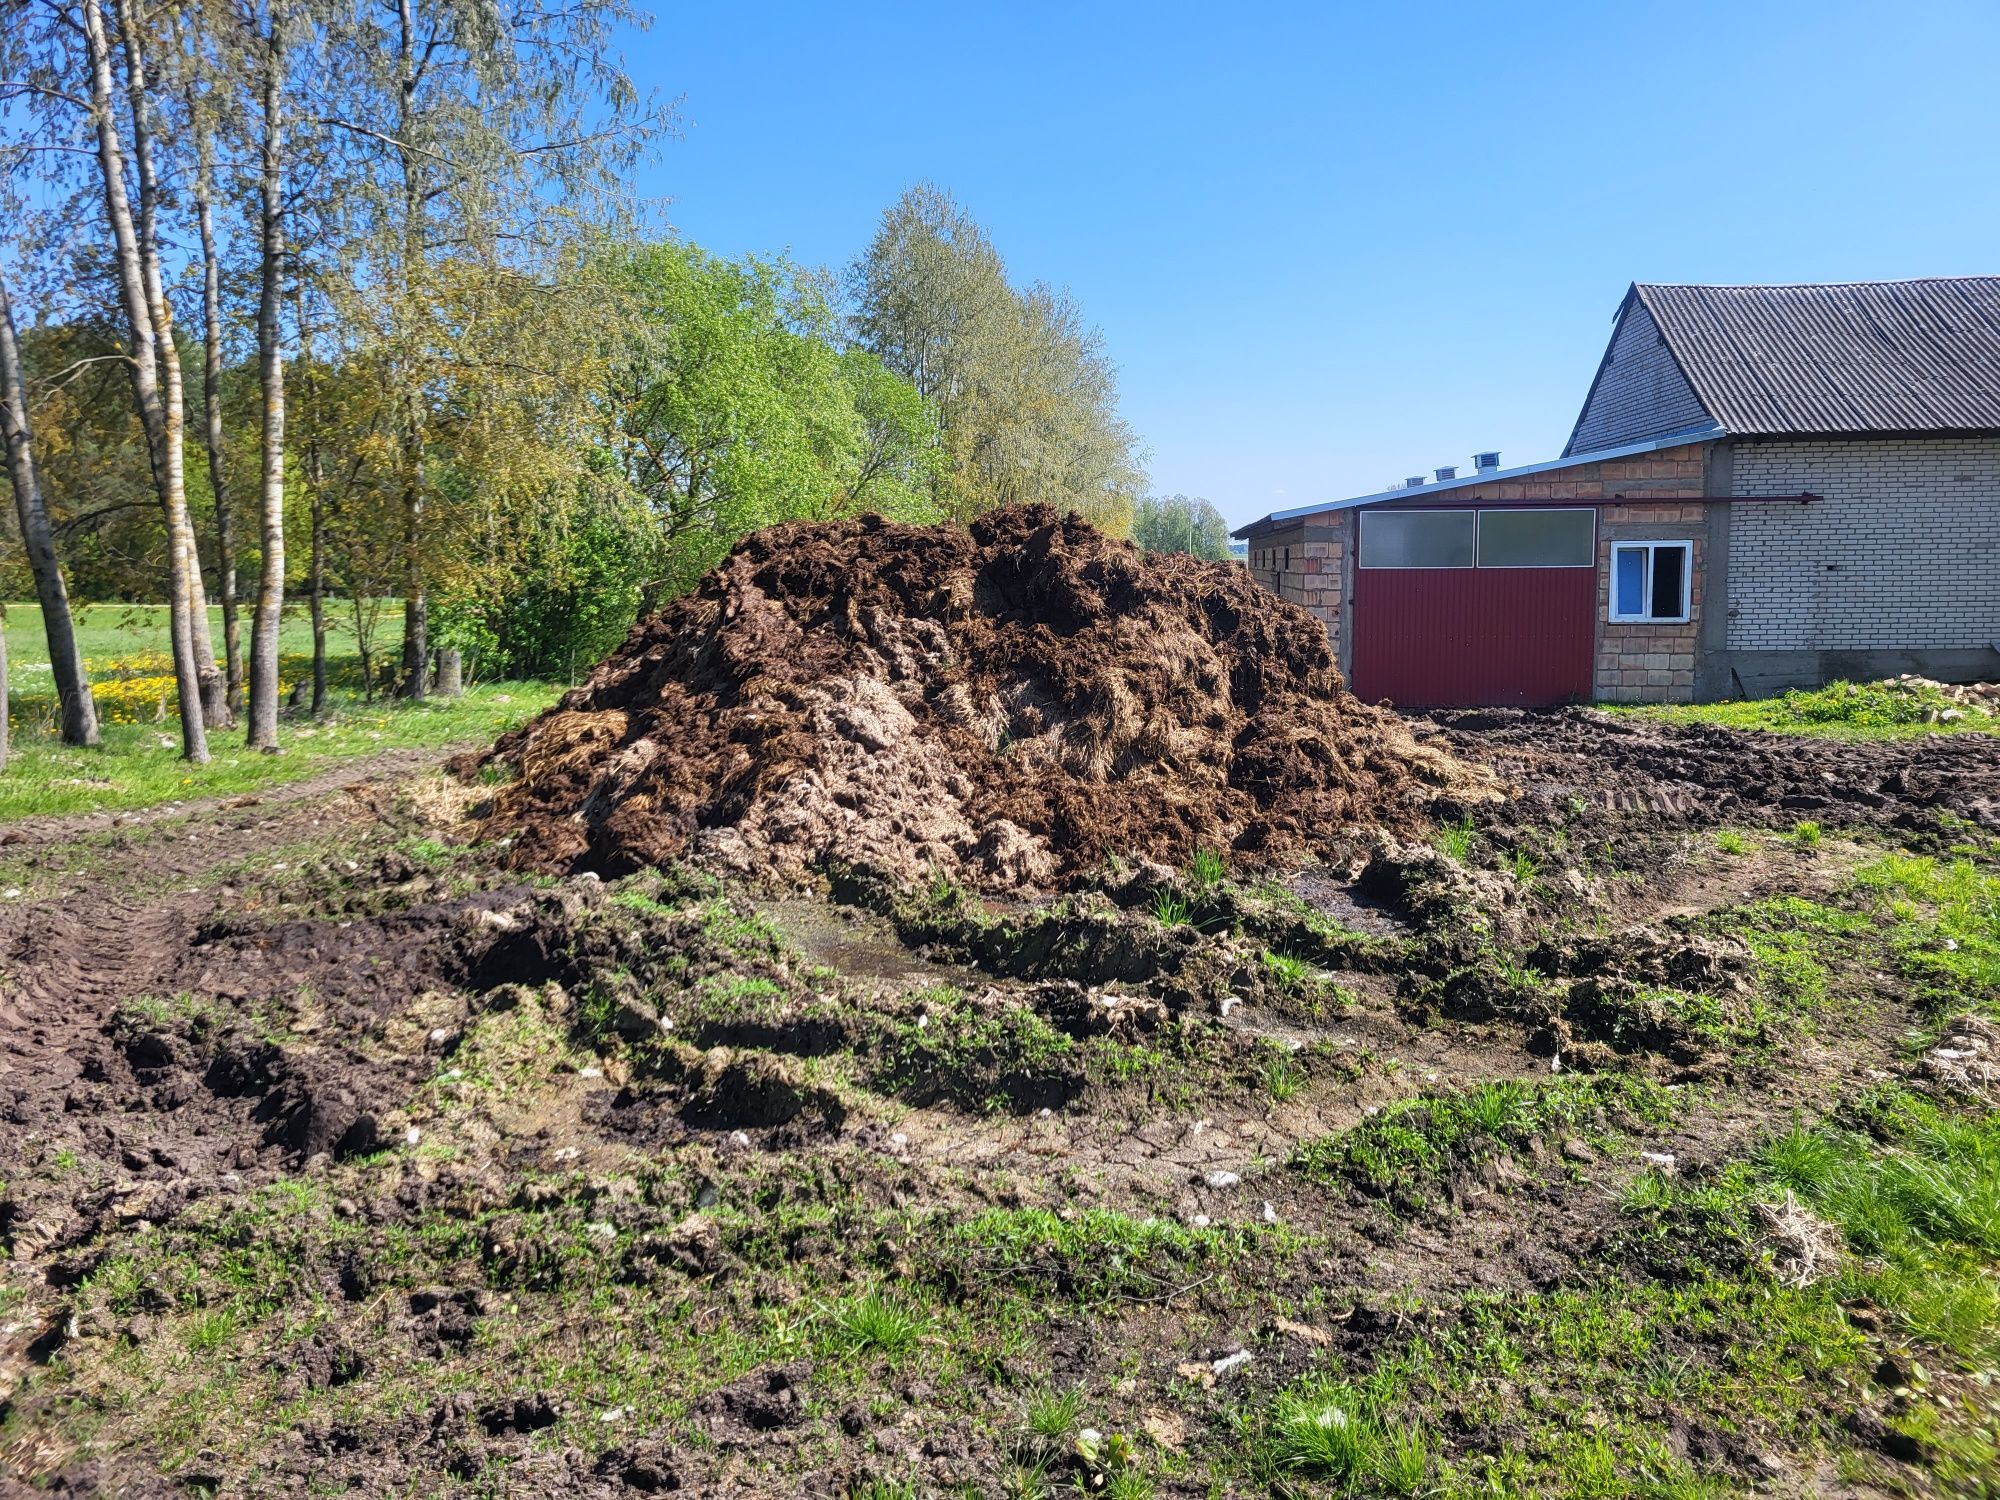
(1640, 391)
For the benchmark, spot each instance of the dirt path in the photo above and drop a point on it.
(121, 896)
(386, 766)
(1699, 774)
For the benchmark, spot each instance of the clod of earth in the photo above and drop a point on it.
(1004, 705)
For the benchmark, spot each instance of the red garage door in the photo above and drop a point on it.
(1454, 608)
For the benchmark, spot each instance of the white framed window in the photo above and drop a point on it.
(1651, 582)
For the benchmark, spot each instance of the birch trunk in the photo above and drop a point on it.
(211, 385)
(271, 370)
(78, 709)
(213, 689)
(316, 496)
(162, 427)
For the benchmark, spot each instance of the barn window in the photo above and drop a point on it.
(1650, 580)
(1538, 538)
(1416, 539)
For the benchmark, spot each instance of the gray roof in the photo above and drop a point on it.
(1837, 359)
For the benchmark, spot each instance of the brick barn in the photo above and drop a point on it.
(1767, 487)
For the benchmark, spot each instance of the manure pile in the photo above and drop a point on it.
(1006, 704)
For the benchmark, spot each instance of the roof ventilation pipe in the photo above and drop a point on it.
(1485, 462)
(1450, 471)
(1413, 481)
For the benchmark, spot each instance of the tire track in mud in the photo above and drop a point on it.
(66, 965)
(1697, 774)
(109, 933)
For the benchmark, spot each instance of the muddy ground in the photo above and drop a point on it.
(338, 1157)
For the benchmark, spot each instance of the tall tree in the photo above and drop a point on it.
(146, 316)
(271, 378)
(466, 123)
(135, 36)
(202, 123)
(316, 498)
(1180, 523)
(1026, 400)
(77, 708)
(731, 409)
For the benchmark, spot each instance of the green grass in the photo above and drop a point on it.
(1206, 870)
(875, 1324)
(991, 1059)
(1284, 1079)
(1943, 926)
(139, 763)
(1095, 1256)
(1456, 841)
(1841, 710)
(1404, 1151)
(1051, 1415)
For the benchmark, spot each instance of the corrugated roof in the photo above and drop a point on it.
(1843, 358)
(1484, 476)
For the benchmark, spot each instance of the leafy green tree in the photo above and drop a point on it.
(732, 409)
(577, 591)
(1026, 400)
(1181, 523)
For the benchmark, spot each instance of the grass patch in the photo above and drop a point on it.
(1094, 1256)
(1206, 870)
(1917, 1195)
(1943, 924)
(1404, 1153)
(989, 1059)
(1840, 710)
(1793, 940)
(139, 765)
(1456, 841)
(874, 1324)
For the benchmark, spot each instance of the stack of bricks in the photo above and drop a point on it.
(1307, 566)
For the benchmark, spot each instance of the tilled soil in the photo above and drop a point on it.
(338, 1157)
(1006, 704)
(1695, 775)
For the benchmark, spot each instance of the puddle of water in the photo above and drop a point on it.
(852, 943)
(1337, 902)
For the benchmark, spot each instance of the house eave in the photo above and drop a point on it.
(1704, 434)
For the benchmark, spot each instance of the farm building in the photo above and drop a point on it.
(1767, 487)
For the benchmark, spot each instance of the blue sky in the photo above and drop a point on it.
(1331, 245)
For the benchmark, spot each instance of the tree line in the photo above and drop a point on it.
(350, 299)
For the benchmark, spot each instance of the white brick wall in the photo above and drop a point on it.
(1904, 551)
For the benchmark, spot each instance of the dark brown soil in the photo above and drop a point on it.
(1688, 775)
(336, 1159)
(1008, 704)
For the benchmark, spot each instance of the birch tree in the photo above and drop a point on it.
(202, 124)
(271, 378)
(147, 316)
(135, 37)
(1027, 401)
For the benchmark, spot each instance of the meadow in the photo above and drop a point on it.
(138, 765)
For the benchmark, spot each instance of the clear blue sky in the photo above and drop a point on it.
(1331, 245)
